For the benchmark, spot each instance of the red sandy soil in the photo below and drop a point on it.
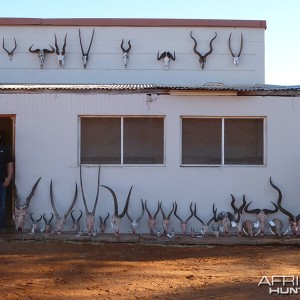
(86, 270)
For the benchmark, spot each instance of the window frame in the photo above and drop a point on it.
(122, 117)
(222, 164)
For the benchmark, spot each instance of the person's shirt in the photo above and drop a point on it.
(5, 158)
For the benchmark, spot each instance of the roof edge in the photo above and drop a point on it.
(133, 22)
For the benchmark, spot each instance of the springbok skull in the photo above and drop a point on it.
(238, 211)
(202, 58)
(183, 223)
(116, 217)
(102, 225)
(261, 215)
(125, 53)
(41, 54)
(21, 211)
(293, 220)
(85, 55)
(10, 53)
(166, 57)
(34, 223)
(90, 216)
(225, 217)
(135, 222)
(205, 226)
(48, 226)
(236, 57)
(166, 219)
(61, 54)
(76, 222)
(61, 221)
(152, 219)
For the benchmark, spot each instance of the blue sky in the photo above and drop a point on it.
(282, 16)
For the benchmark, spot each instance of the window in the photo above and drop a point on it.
(222, 141)
(122, 140)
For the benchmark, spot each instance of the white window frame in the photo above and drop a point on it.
(122, 117)
(264, 118)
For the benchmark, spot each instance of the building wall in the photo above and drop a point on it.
(47, 144)
(106, 63)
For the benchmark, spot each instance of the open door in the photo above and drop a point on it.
(7, 125)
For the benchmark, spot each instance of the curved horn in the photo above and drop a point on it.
(31, 217)
(143, 211)
(72, 204)
(195, 208)
(270, 211)
(114, 197)
(147, 210)
(52, 202)
(216, 219)
(157, 211)
(128, 216)
(91, 42)
(191, 210)
(128, 47)
(33, 51)
(229, 45)
(241, 47)
(73, 219)
(284, 211)
(210, 45)
(82, 193)
(123, 49)
(243, 205)
(56, 46)
(171, 56)
(17, 201)
(97, 196)
(162, 212)
(49, 51)
(251, 211)
(175, 213)
(169, 215)
(235, 209)
(81, 43)
(106, 218)
(63, 50)
(32, 192)
(195, 46)
(40, 218)
(126, 204)
(159, 57)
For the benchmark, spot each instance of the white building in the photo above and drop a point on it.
(183, 134)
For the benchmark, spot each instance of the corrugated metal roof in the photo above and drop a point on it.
(242, 89)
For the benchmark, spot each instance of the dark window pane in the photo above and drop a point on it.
(244, 141)
(101, 140)
(143, 140)
(201, 141)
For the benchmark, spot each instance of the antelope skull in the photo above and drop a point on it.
(61, 221)
(166, 219)
(116, 217)
(48, 226)
(102, 225)
(238, 211)
(152, 219)
(85, 55)
(125, 53)
(10, 53)
(205, 226)
(21, 211)
(236, 57)
(76, 222)
(34, 224)
(202, 58)
(225, 217)
(90, 216)
(61, 54)
(135, 222)
(166, 56)
(41, 54)
(183, 223)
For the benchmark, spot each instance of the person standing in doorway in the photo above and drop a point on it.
(6, 172)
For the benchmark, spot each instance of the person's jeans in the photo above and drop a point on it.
(3, 192)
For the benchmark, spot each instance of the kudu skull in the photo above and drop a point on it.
(21, 210)
(10, 53)
(166, 56)
(85, 55)
(41, 54)
(236, 57)
(125, 52)
(116, 217)
(61, 54)
(202, 58)
(61, 221)
(90, 216)
(292, 219)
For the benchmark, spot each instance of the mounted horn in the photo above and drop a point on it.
(10, 53)
(166, 56)
(125, 52)
(41, 54)
(202, 58)
(183, 223)
(85, 55)
(236, 57)
(152, 219)
(61, 54)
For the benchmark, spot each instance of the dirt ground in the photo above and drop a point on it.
(87, 270)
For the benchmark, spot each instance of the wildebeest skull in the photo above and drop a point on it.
(166, 56)
(236, 57)
(202, 58)
(41, 54)
(61, 54)
(125, 53)
(21, 211)
(61, 221)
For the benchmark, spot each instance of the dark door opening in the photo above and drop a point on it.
(7, 129)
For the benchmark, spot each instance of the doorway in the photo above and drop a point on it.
(7, 125)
